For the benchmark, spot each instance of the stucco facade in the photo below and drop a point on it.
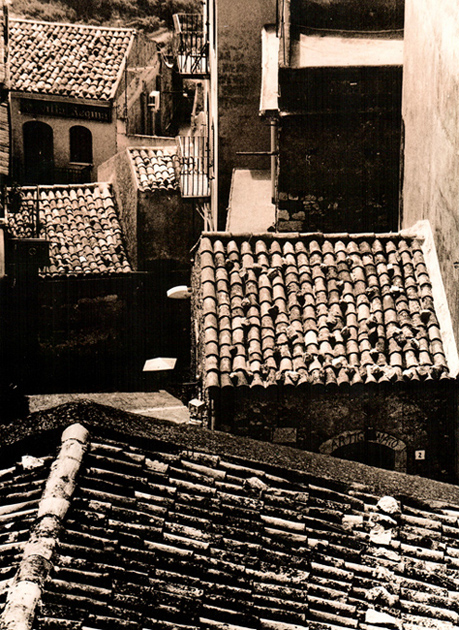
(239, 82)
(431, 122)
(104, 137)
(159, 226)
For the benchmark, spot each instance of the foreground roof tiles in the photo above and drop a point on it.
(156, 535)
(155, 169)
(315, 309)
(81, 225)
(67, 59)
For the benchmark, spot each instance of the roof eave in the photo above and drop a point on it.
(423, 230)
(123, 67)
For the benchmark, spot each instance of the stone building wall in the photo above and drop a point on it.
(418, 417)
(349, 14)
(169, 226)
(338, 174)
(431, 121)
(239, 84)
(119, 173)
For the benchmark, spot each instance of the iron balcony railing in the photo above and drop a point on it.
(47, 173)
(194, 166)
(191, 44)
(22, 211)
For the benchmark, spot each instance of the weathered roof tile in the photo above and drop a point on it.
(155, 169)
(83, 240)
(329, 310)
(70, 60)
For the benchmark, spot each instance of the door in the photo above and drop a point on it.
(38, 153)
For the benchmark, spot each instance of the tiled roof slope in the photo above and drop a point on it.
(316, 309)
(158, 535)
(154, 168)
(21, 485)
(70, 60)
(81, 224)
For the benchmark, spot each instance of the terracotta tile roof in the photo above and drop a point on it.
(315, 309)
(155, 169)
(21, 485)
(157, 535)
(71, 60)
(81, 225)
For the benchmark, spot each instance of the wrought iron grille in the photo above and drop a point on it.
(191, 45)
(194, 166)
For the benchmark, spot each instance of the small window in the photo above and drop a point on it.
(80, 145)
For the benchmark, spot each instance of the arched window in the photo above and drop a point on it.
(80, 145)
(38, 152)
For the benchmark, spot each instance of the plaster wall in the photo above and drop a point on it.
(239, 85)
(431, 121)
(168, 228)
(103, 137)
(118, 171)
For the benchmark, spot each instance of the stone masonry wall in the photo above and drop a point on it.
(118, 171)
(421, 417)
(239, 82)
(338, 173)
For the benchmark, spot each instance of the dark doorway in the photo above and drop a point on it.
(38, 153)
(370, 453)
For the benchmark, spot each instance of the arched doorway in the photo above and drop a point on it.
(38, 153)
(370, 453)
(371, 447)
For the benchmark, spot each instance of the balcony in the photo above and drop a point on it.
(191, 45)
(47, 173)
(194, 164)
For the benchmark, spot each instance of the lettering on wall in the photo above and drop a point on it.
(378, 437)
(35, 107)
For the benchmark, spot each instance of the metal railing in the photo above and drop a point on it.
(194, 166)
(191, 44)
(22, 211)
(46, 173)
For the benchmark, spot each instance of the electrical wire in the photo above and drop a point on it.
(343, 30)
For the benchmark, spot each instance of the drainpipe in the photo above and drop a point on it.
(273, 125)
(2, 249)
(212, 417)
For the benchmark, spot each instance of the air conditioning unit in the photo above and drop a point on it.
(154, 100)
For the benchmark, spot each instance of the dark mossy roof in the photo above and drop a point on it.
(159, 526)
